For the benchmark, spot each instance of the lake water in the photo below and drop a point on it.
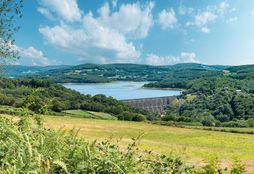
(122, 90)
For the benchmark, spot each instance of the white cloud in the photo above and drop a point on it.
(133, 20)
(233, 19)
(35, 57)
(153, 59)
(92, 43)
(252, 13)
(106, 38)
(167, 19)
(202, 20)
(205, 30)
(65, 9)
(223, 5)
(182, 10)
(204, 17)
(45, 12)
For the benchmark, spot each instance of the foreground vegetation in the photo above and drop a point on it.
(28, 147)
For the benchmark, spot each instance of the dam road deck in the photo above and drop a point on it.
(157, 104)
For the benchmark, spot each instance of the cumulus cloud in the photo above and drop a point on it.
(133, 20)
(223, 6)
(106, 38)
(45, 12)
(205, 30)
(64, 9)
(202, 19)
(252, 13)
(167, 19)
(184, 57)
(35, 57)
(182, 10)
(233, 19)
(205, 17)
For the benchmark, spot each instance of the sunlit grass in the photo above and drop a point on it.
(90, 114)
(188, 143)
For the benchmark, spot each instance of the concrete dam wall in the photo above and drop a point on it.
(158, 104)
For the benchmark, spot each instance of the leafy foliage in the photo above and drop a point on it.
(217, 101)
(9, 11)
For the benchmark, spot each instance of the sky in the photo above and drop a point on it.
(158, 32)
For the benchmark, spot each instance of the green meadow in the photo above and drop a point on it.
(90, 114)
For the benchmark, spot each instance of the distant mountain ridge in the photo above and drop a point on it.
(20, 70)
(101, 73)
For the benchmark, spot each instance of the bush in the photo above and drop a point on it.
(250, 122)
(128, 116)
(35, 104)
(57, 106)
(208, 122)
(234, 124)
(139, 117)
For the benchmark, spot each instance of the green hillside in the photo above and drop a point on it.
(19, 70)
(94, 73)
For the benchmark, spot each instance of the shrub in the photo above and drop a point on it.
(139, 117)
(251, 122)
(126, 116)
(208, 122)
(237, 168)
(57, 106)
(234, 124)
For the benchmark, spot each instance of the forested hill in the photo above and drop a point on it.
(95, 73)
(19, 70)
(226, 100)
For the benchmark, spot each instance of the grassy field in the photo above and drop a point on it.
(90, 114)
(192, 145)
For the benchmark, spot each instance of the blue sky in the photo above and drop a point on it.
(158, 32)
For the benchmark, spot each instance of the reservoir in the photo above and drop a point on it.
(122, 90)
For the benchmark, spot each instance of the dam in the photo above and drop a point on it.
(156, 104)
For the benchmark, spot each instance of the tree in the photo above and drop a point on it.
(57, 106)
(139, 117)
(10, 10)
(36, 104)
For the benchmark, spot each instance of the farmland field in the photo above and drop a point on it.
(90, 114)
(194, 146)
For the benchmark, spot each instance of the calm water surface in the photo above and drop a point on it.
(122, 90)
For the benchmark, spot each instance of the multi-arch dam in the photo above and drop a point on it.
(157, 104)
